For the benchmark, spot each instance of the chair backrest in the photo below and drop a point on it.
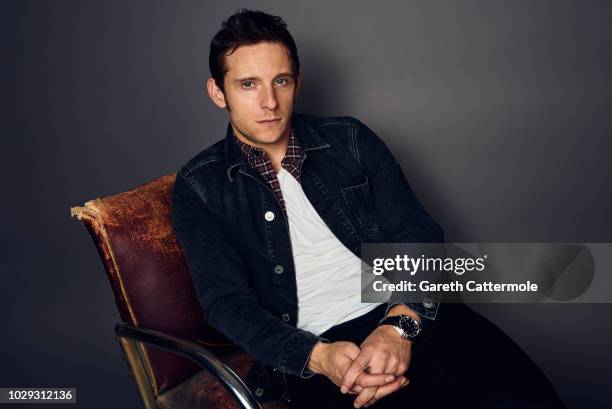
(148, 273)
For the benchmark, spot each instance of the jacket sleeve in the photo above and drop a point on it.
(402, 217)
(223, 287)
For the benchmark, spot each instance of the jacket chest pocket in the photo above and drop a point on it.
(360, 203)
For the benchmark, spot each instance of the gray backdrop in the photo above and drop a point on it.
(498, 112)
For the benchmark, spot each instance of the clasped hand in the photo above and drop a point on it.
(371, 372)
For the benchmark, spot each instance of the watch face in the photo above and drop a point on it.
(409, 326)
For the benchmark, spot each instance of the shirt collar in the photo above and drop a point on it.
(251, 153)
(304, 132)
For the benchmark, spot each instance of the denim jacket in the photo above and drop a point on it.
(236, 239)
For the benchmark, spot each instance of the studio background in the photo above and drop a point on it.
(499, 113)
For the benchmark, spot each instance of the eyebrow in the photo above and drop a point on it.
(283, 74)
(245, 79)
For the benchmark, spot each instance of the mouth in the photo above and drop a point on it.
(269, 121)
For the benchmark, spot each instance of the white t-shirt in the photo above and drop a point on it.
(328, 274)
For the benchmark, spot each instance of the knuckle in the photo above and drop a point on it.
(368, 349)
(362, 357)
(380, 357)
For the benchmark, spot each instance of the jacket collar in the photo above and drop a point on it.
(309, 140)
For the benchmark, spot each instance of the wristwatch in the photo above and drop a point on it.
(407, 327)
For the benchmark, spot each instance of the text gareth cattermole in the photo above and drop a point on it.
(455, 286)
(413, 265)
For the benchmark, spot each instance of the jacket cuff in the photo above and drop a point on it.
(426, 309)
(307, 373)
(294, 359)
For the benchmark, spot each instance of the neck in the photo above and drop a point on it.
(276, 151)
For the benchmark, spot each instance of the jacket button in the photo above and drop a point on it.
(286, 317)
(259, 392)
(279, 269)
(428, 303)
(269, 216)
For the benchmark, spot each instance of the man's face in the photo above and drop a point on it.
(260, 89)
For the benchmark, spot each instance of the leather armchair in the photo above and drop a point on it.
(175, 358)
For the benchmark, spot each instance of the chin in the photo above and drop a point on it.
(270, 135)
(270, 139)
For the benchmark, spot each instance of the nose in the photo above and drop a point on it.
(269, 100)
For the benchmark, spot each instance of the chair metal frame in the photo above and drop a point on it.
(130, 335)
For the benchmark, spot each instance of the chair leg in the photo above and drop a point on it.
(137, 372)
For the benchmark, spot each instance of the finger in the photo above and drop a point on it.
(391, 366)
(365, 396)
(401, 369)
(403, 382)
(357, 388)
(356, 368)
(403, 366)
(352, 350)
(388, 389)
(366, 380)
(378, 362)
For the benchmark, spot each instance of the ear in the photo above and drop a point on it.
(214, 92)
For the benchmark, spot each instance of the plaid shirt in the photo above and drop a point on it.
(259, 160)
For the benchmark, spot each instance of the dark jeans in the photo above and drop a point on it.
(460, 360)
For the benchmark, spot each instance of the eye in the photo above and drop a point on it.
(247, 84)
(282, 81)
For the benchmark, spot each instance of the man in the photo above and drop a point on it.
(271, 220)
